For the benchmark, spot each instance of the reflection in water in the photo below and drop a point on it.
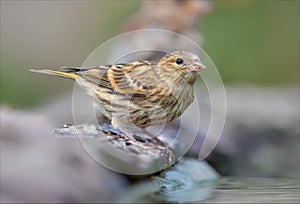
(189, 181)
(192, 180)
(253, 190)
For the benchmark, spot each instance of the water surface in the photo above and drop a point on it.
(192, 180)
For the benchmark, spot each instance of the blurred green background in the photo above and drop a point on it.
(251, 42)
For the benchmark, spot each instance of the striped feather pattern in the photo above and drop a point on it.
(141, 93)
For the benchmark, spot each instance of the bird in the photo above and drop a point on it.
(141, 93)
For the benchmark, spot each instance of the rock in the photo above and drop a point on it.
(39, 167)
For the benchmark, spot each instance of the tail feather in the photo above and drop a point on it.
(65, 74)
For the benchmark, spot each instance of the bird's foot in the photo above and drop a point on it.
(153, 138)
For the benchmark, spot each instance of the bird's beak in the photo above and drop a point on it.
(198, 67)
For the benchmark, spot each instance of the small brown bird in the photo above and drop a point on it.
(141, 93)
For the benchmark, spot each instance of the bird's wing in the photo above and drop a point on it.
(96, 75)
(133, 79)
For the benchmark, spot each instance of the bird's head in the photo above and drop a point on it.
(186, 64)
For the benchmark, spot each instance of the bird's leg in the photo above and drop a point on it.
(131, 131)
(158, 141)
(169, 153)
(126, 130)
(135, 132)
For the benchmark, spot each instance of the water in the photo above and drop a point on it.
(254, 190)
(195, 181)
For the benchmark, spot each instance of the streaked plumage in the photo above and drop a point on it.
(141, 93)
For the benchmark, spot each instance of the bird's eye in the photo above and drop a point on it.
(179, 61)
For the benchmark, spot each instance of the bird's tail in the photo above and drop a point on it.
(71, 74)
